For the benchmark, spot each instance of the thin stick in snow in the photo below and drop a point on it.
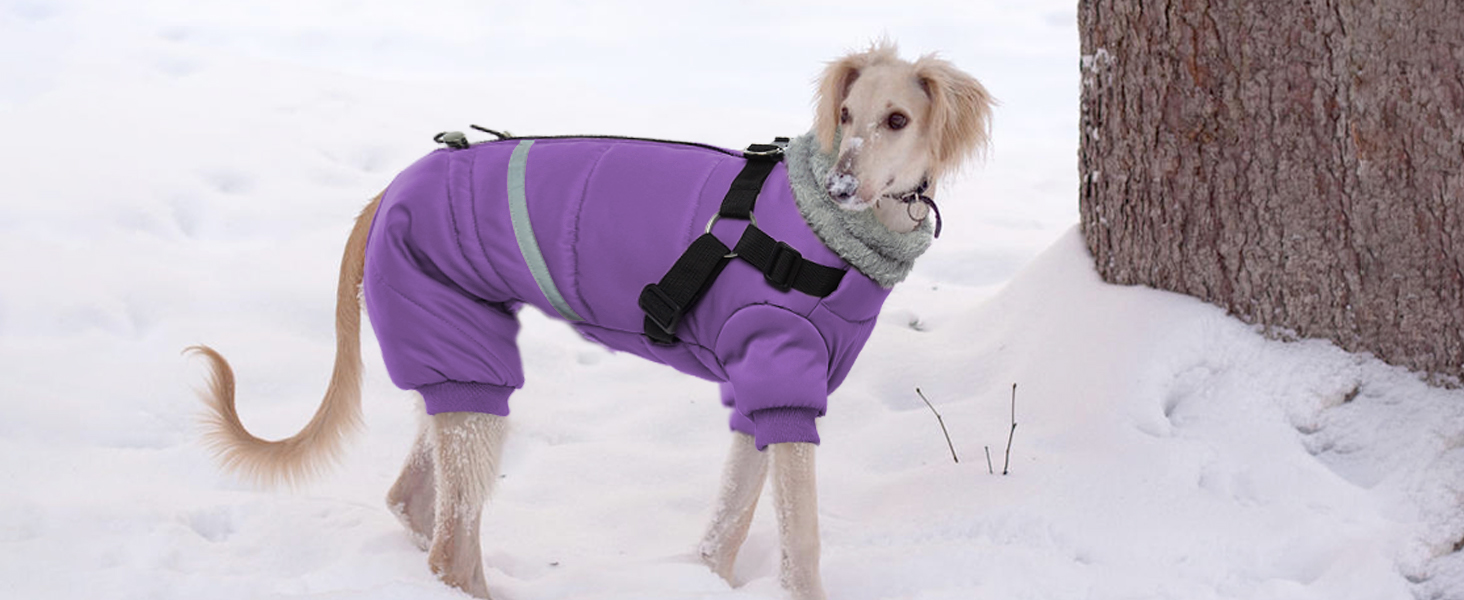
(989, 469)
(942, 426)
(1006, 467)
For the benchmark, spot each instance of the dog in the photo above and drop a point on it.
(462, 239)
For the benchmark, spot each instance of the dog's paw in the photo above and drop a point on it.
(459, 572)
(720, 562)
(420, 534)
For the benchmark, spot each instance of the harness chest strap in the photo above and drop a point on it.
(667, 301)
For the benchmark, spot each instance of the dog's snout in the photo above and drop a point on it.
(842, 185)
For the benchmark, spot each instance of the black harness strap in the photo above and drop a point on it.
(784, 266)
(667, 301)
(740, 198)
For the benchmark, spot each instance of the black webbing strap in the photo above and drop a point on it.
(740, 198)
(784, 266)
(667, 301)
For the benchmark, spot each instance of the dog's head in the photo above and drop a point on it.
(902, 123)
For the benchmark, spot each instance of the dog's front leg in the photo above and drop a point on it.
(742, 483)
(466, 448)
(795, 493)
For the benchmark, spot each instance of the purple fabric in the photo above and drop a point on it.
(457, 396)
(445, 277)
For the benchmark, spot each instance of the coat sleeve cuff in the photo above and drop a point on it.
(783, 425)
(460, 396)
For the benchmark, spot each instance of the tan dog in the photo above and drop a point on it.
(898, 125)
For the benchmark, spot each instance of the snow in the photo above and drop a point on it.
(843, 185)
(181, 172)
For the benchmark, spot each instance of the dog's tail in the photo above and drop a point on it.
(297, 458)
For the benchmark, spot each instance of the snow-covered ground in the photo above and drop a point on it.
(181, 172)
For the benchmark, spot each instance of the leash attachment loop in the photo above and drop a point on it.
(452, 139)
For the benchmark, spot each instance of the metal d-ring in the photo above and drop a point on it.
(774, 152)
(752, 219)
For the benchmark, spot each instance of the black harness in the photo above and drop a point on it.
(667, 301)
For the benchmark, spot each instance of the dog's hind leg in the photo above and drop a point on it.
(465, 452)
(413, 497)
(795, 495)
(742, 483)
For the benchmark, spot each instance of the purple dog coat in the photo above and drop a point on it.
(576, 227)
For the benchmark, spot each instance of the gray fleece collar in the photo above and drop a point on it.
(856, 236)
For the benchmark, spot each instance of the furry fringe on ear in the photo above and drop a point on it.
(833, 88)
(960, 107)
(960, 113)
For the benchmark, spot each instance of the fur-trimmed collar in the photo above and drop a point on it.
(856, 236)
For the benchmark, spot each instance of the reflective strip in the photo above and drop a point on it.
(518, 210)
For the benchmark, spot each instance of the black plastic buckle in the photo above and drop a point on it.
(784, 267)
(660, 308)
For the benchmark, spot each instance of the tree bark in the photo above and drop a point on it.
(1299, 163)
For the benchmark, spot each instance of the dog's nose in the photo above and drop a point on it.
(842, 186)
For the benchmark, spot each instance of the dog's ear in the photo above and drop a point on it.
(833, 88)
(960, 113)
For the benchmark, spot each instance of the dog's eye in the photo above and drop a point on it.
(844, 116)
(897, 121)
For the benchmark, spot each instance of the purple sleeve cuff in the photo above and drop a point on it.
(461, 396)
(781, 425)
(777, 366)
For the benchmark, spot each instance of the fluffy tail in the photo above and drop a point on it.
(300, 457)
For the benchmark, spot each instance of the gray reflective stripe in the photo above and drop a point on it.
(518, 210)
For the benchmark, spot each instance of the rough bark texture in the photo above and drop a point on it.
(1298, 163)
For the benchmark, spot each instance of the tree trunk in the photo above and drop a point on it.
(1299, 163)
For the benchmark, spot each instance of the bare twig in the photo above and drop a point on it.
(942, 426)
(989, 468)
(1006, 467)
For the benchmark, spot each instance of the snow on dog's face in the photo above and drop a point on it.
(901, 123)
